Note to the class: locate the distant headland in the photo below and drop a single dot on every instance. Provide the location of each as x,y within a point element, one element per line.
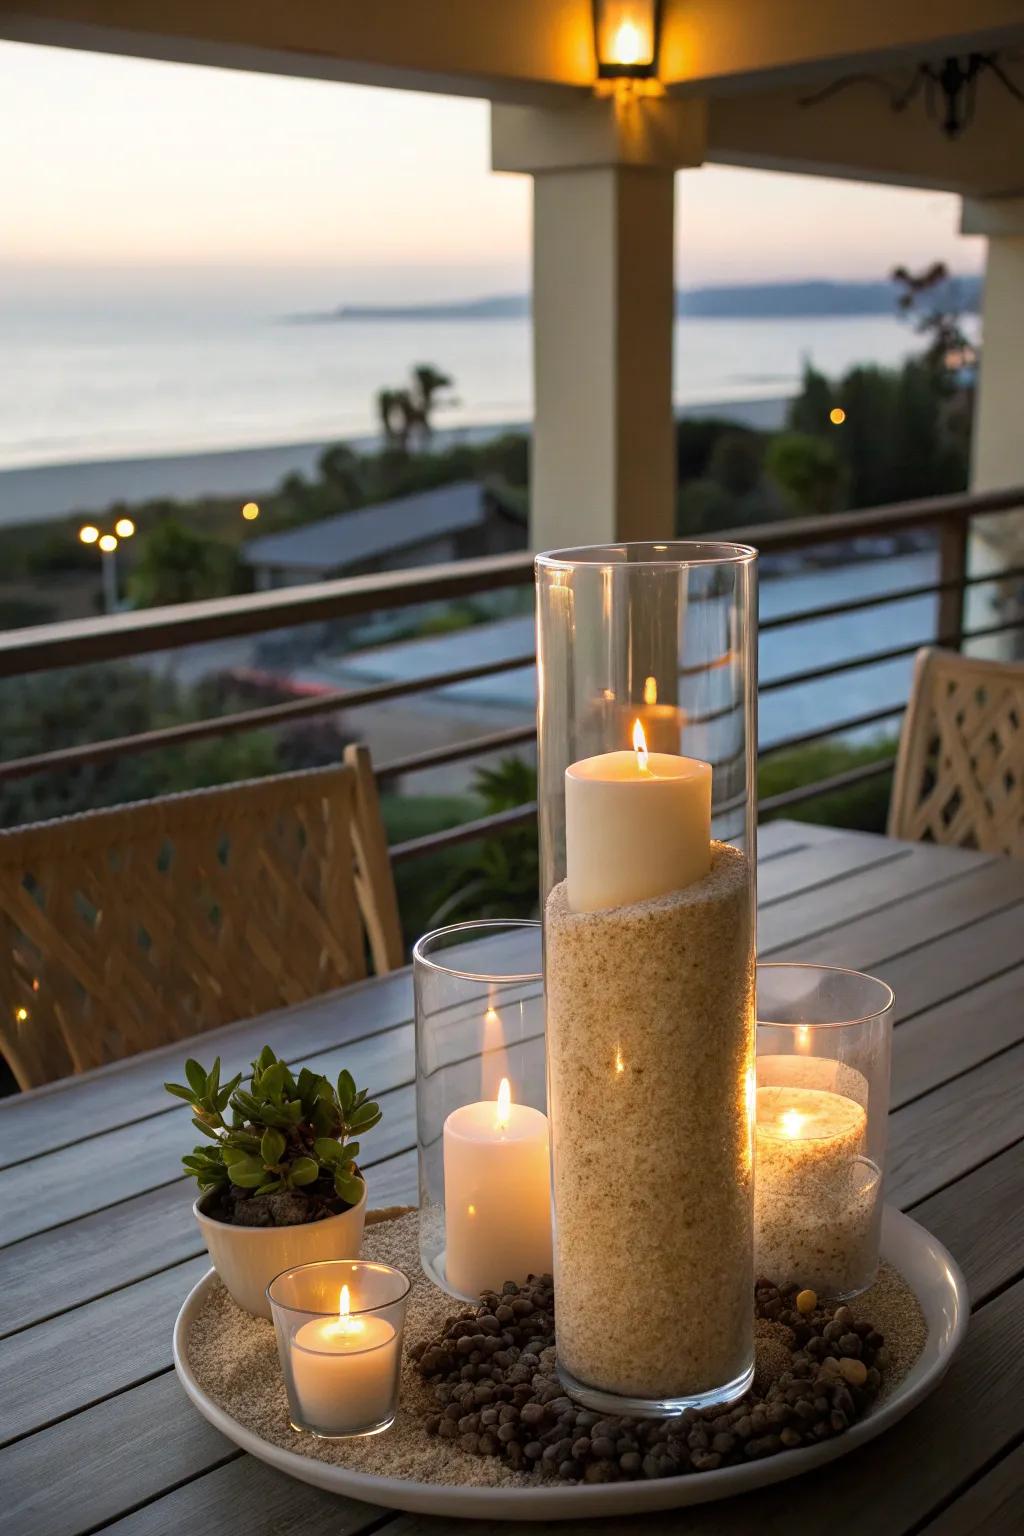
<point>747,301</point>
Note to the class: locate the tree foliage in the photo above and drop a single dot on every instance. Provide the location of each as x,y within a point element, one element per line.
<point>179,564</point>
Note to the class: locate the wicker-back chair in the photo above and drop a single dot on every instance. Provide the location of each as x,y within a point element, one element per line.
<point>960,770</point>
<point>127,928</point>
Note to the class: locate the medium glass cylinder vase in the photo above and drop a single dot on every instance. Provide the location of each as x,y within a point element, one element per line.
<point>823,1048</point>
<point>647,742</point>
<point>482,1133</point>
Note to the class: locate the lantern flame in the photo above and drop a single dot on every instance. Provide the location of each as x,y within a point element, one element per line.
<point>791,1121</point>
<point>504,1105</point>
<point>640,746</point>
<point>628,43</point>
<point>650,690</point>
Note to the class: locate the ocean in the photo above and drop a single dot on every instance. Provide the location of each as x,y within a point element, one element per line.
<point>81,384</point>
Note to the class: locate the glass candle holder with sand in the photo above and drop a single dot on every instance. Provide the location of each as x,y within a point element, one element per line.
<point>823,1064</point>
<point>647,699</point>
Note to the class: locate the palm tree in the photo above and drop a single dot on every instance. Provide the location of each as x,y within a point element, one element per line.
<point>405,414</point>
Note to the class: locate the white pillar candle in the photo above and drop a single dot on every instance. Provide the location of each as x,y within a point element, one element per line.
<point>497,1194</point>
<point>816,1194</point>
<point>345,1371</point>
<point>637,826</point>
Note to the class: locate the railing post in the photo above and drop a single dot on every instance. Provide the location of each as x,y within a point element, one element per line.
<point>952,568</point>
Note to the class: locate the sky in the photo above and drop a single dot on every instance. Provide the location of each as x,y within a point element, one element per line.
<point>121,173</point>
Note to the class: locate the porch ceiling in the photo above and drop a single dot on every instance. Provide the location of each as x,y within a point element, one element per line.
<point>750,59</point>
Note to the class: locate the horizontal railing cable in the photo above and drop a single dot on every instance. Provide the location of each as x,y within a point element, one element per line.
<point>876,658</point>
<point>465,832</point>
<point>270,716</point>
<point>881,599</point>
<point>846,780</point>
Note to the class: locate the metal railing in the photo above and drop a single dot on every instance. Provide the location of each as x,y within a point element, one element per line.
<point>128,635</point>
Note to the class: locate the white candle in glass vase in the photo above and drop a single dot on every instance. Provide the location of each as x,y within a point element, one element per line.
<point>497,1194</point>
<point>637,826</point>
<point>344,1371</point>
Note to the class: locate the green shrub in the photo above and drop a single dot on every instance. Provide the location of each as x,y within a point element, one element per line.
<point>863,807</point>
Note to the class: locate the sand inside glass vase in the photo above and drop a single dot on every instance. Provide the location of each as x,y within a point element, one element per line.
<point>650,1019</point>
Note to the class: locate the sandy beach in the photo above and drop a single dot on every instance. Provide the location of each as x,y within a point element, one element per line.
<point>45,492</point>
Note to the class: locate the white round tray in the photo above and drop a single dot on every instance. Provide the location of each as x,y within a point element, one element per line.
<point>920,1258</point>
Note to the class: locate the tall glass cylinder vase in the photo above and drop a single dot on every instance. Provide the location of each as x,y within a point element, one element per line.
<point>647,799</point>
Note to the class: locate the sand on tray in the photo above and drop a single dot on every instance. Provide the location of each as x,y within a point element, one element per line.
<point>234,1358</point>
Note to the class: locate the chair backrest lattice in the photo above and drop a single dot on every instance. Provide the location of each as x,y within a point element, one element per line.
<point>128,928</point>
<point>960,770</point>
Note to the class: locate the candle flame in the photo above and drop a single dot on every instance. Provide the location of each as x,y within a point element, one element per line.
<point>627,44</point>
<point>345,1324</point>
<point>650,690</point>
<point>640,746</point>
<point>620,1065</point>
<point>504,1105</point>
<point>791,1121</point>
<point>803,1039</point>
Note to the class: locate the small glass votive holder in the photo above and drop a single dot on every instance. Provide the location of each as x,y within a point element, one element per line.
<point>482,1130</point>
<point>339,1330</point>
<point>823,1063</point>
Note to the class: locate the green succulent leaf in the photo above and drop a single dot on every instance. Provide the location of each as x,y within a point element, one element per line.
<point>247,1173</point>
<point>272,1081</point>
<point>324,1118</point>
<point>204,1129</point>
<point>348,1187</point>
<point>346,1090</point>
<point>272,1147</point>
<point>365,1117</point>
<point>271,1187</point>
<point>304,1170</point>
<point>196,1077</point>
<point>180,1091</point>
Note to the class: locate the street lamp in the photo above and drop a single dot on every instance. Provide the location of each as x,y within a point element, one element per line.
<point>107,544</point>
<point>626,38</point>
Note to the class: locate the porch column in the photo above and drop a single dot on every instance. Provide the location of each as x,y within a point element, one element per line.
<point>603,457</point>
<point>997,453</point>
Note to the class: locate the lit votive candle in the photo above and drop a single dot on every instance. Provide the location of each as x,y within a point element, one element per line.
<point>816,1193</point>
<point>497,1194</point>
<point>340,1367</point>
<point>345,1371</point>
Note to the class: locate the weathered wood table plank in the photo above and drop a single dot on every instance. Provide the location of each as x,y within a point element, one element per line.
<point>96,1435</point>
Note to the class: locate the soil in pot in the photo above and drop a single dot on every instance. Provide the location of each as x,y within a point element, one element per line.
<point>285,1208</point>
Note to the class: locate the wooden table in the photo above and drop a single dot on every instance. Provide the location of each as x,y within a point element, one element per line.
<point>99,1246</point>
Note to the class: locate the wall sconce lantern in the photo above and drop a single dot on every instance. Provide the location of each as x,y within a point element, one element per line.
<point>626,38</point>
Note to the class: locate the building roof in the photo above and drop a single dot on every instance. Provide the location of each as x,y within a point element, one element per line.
<point>350,538</point>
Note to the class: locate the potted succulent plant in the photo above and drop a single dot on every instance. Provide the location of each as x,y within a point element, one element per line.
<point>278,1179</point>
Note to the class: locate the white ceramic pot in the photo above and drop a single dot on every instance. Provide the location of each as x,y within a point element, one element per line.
<point>248,1258</point>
